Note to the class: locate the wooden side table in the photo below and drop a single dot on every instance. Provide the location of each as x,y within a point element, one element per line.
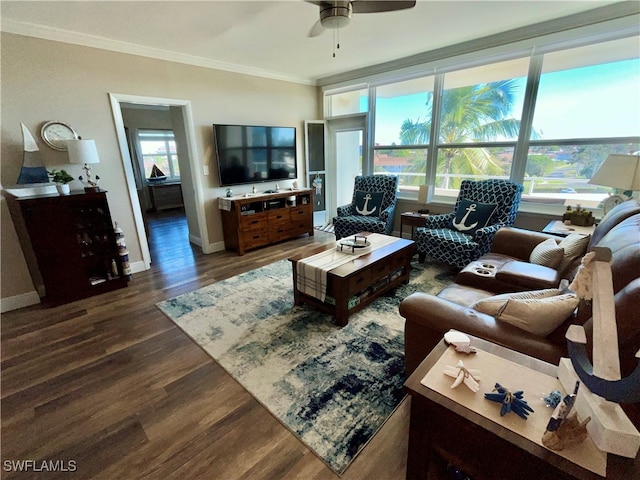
<point>557,227</point>
<point>412,219</point>
<point>444,431</point>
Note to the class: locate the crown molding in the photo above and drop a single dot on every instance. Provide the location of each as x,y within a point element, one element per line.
<point>93,41</point>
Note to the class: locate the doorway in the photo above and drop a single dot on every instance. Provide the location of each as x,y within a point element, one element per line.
<point>188,166</point>
<point>348,154</point>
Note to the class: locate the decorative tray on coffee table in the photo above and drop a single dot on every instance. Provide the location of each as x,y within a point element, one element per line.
<point>357,245</point>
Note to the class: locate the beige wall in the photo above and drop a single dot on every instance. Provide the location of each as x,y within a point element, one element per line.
<point>44,80</point>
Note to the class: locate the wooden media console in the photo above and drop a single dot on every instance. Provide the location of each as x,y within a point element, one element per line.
<point>255,220</point>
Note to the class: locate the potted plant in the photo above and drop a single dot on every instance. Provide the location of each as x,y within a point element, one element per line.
<point>61,178</point>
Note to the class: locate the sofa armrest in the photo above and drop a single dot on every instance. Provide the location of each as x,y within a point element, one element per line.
<point>429,317</point>
<point>517,242</point>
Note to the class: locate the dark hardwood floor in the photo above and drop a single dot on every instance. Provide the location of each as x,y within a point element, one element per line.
<point>113,385</point>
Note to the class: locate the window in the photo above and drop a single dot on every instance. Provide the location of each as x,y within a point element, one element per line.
<point>586,108</point>
<point>583,104</point>
<point>354,101</point>
<point>158,147</point>
<point>403,117</point>
<point>479,123</point>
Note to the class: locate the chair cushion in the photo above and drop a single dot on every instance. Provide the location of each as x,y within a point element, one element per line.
<point>547,253</point>
<point>368,203</point>
<point>472,215</point>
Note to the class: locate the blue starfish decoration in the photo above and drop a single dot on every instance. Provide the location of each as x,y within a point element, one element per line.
<point>511,402</point>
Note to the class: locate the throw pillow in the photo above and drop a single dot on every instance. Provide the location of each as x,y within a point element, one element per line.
<point>471,216</point>
<point>494,305</point>
<point>368,203</point>
<point>575,246</point>
<point>539,316</point>
<point>547,253</point>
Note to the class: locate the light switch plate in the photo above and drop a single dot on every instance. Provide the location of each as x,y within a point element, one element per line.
<point>205,169</point>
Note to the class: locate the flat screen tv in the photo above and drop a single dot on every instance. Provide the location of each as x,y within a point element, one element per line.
<point>251,154</point>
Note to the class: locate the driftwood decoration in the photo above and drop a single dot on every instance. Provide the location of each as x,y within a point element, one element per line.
<point>609,428</point>
<point>571,432</point>
<point>594,281</point>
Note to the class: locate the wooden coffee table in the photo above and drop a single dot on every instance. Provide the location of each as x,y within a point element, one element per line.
<point>359,282</point>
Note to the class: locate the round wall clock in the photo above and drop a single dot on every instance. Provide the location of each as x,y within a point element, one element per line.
<point>55,134</point>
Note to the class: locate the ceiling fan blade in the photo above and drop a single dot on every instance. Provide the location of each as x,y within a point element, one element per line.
<point>316,30</point>
<point>374,6</point>
<point>320,3</point>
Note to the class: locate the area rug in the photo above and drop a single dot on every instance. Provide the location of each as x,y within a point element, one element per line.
<point>332,387</point>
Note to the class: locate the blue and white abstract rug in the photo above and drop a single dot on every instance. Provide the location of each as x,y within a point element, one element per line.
<point>333,387</point>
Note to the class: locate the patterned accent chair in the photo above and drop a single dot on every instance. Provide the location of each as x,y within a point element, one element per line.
<point>452,238</point>
<point>352,219</point>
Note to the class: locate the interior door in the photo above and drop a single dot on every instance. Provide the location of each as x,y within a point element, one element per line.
<point>348,154</point>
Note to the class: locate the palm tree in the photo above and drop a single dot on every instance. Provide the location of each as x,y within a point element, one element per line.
<point>469,114</point>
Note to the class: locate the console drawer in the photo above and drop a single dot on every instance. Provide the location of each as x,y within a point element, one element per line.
<point>256,220</point>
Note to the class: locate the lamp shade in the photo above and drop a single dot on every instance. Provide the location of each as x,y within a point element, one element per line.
<point>424,194</point>
<point>619,171</point>
<point>82,151</point>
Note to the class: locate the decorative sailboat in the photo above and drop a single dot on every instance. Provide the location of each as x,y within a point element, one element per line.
<point>33,169</point>
<point>157,175</point>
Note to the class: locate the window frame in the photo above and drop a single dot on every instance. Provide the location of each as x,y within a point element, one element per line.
<point>167,135</point>
<point>523,143</point>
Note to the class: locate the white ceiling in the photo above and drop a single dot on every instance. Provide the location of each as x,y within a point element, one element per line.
<point>270,38</point>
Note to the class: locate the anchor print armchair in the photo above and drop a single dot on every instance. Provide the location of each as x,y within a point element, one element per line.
<point>464,235</point>
<point>371,209</point>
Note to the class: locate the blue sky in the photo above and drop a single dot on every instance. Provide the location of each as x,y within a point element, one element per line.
<point>597,101</point>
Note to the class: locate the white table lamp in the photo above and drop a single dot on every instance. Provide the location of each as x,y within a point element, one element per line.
<point>621,172</point>
<point>85,151</point>
<point>425,193</point>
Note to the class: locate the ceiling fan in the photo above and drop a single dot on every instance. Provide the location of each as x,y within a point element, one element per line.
<point>337,13</point>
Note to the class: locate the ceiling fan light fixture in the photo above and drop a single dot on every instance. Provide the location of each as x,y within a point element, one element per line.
<point>337,15</point>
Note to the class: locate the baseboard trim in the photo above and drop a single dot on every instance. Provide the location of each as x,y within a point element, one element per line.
<point>137,267</point>
<point>195,240</point>
<point>19,301</point>
<point>214,247</point>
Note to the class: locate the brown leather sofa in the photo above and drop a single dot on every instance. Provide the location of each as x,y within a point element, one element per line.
<point>428,317</point>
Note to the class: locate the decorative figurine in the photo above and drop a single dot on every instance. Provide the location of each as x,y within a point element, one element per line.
<point>511,402</point>
<point>229,193</point>
<point>553,399</point>
<point>563,430</point>
<point>253,190</point>
<point>470,377</point>
<point>570,433</point>
<point>295,185</point>
<point>460,341</point>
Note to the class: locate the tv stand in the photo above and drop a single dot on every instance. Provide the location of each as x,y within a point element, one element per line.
<point>263,219</point>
